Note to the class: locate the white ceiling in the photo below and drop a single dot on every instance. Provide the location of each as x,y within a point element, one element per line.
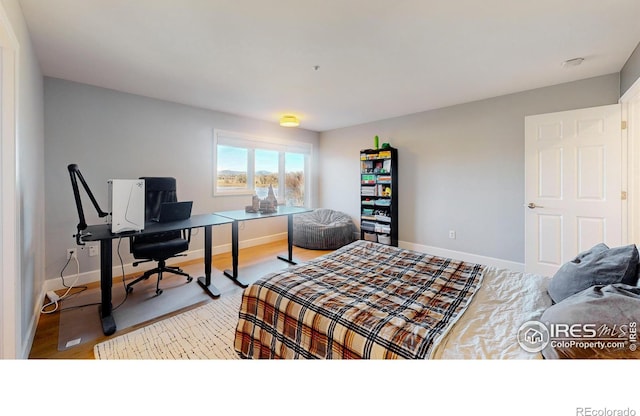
<point>377,58</point>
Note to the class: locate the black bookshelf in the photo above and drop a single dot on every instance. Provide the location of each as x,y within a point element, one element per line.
<point>379,195</point>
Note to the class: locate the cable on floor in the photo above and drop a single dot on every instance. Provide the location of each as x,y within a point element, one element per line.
<point>55,303</point>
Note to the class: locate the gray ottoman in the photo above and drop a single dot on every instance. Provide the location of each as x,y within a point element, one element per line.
<point>323,229</point>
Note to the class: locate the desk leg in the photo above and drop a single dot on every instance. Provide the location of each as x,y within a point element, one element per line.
<point>233,275</point>
<point>106,282</point>
<point>289,241</point>
<point>205,281</point>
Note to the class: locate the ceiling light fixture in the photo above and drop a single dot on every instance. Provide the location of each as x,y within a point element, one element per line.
<point>289,121</point>
<point>572,62</point>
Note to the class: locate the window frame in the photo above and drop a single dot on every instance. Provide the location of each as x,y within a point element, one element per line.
<point>251,143</point>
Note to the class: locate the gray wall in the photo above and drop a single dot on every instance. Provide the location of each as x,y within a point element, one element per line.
<point>114,135</point>
<point>630,71</point>
<point>30,163</point>
<point>460,168</point>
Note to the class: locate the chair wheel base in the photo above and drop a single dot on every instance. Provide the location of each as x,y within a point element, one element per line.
<point>162,268</point>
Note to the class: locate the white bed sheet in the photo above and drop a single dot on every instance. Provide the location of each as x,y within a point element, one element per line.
<point>489,327</point>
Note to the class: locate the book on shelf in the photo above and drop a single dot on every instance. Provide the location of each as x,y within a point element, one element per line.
<point>368,225</point>
<point>368,179</point>
<point>381,228</point>
<point>368,190</point>
<point>383,218</point>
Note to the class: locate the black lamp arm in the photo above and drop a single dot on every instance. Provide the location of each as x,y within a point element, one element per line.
<point>74,174</point>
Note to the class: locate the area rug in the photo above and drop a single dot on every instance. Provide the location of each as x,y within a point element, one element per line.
<point>80,317</point>
<point>206,332</point>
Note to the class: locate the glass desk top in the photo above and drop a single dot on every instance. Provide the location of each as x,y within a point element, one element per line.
<point>242,215</point>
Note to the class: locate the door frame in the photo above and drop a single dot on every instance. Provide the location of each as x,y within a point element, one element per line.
<point>10,288</point>
<point>630,107</point>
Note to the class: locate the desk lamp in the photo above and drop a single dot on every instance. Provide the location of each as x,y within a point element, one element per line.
<point>74,173</point>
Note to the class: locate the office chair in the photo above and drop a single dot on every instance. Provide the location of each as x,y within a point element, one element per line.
<point>162,246</point>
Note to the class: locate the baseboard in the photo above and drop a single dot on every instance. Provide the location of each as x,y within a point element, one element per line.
<point>33,325</point>
<point>94,275</point>
<point>460,255</point>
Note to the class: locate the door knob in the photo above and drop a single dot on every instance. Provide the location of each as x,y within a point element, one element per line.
<point>532,206</point>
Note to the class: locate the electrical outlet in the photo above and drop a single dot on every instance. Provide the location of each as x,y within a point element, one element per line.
<point>452,234</point>
<point>93,251</point>
<point>72,253</point>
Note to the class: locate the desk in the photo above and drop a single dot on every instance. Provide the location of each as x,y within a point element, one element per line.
<point>242,215</point>
<point>103,234</point>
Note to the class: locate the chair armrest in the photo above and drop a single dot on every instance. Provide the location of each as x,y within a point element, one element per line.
<point>186,234</point>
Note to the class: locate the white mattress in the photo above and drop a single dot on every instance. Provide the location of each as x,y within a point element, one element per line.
<point>489,327</point>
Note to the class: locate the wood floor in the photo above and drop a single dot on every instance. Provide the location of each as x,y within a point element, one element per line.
<point>45,343</point>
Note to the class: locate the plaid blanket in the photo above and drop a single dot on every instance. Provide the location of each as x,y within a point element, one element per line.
<point>364,300</point>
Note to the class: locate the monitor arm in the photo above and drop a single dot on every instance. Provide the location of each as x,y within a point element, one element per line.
<point>75,174</point>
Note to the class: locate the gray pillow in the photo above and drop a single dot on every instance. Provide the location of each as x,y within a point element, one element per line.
<point>611,311</point>
<point>599,265</point>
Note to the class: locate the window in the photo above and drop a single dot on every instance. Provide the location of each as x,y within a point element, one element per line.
<point>266,172</point>
<point>244,165</point>
<point>294,178</point>
<point>232,168</point>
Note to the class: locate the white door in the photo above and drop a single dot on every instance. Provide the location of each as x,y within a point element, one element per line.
<point>572,185</point>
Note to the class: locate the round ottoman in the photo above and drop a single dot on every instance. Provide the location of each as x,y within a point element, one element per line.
<point>323,229</point>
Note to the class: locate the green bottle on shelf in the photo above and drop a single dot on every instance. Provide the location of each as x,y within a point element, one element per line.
<point>375,142</point>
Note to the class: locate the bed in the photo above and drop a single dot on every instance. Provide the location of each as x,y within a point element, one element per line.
<point>370,300</point>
